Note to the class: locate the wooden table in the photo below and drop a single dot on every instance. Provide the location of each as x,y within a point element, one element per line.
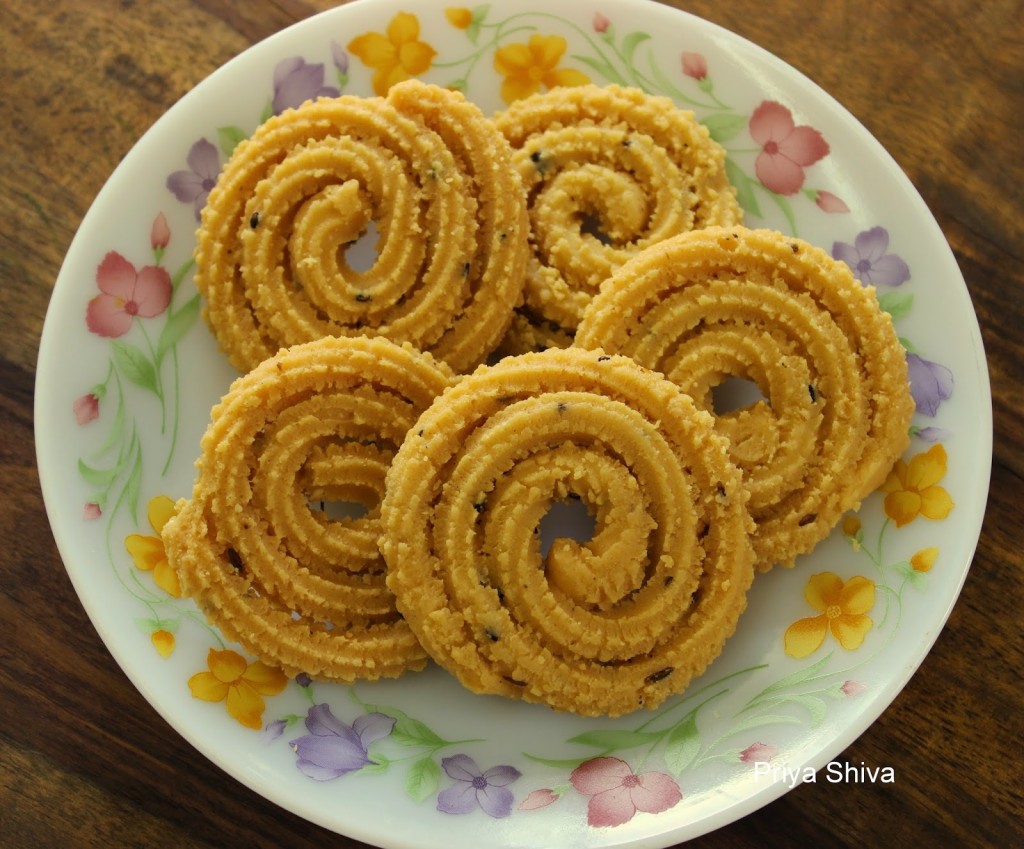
<point>86,762</point>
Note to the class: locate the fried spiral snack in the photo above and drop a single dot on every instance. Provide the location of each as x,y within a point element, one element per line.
<point>433,176</point>
<point>301,590</point>
<point>597,628</point>
<point>759,306</point>
<point>608,171</point>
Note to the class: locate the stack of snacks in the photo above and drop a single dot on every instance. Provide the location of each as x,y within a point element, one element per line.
<point>366,386</point>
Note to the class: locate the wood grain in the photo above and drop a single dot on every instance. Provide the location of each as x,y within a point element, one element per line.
<point>86,762</point>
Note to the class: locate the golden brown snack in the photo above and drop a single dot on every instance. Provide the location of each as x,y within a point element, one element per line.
<point>608,171</point>
<point>426,168</point>
<point>305,592</point>
<point>777,311</point>
<point>597,628</point>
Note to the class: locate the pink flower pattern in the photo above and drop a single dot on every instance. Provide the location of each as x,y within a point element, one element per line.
<point>829,202</point>
<point>852,688</point>
<point>617,793</point>
<point>758,753</point>
<point>786,149</point>
<point>87,408</point>
<point>160,233</point>
<point>126,293</point>
<point>695,65</point>
<point>538,799</point>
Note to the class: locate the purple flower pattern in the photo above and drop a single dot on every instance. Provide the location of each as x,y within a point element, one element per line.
<point>332,748</point>
<point>340,58</point>
<point>930,384</point>
<point>474,789</point>
<point>869,260</point>
<point>296,81</point>
<point>274,729</point>
<point>933,434</point>
<point>193,185</point>
<point>868,257</point>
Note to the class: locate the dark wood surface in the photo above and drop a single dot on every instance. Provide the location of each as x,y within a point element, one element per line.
<point>86,762</point>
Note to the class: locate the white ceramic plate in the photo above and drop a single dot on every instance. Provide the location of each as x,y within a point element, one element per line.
<point>119,417</point>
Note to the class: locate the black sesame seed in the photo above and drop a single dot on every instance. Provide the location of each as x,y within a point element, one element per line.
<point>235,559</point>
<point>660,675</point>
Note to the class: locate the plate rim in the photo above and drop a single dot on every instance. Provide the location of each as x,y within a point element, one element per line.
<point>50,477</point>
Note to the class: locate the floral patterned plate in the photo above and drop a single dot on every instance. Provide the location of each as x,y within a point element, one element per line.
<point>128,373</point>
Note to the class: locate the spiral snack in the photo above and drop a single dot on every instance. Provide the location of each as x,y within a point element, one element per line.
<point>608,171</point>
<point>426,169</point>
<point>596,628</point>
<point>757,305</point>
<point>318,422</point>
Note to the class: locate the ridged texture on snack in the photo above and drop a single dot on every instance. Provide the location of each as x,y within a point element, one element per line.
<point>300,589</point>
<point>777,311</point>
<point>601,627</point>
<point>608,171</point>
<point>426,168</point>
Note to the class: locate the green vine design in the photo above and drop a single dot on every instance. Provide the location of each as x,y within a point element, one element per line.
<point>114,470</point>
<point>143,364</point>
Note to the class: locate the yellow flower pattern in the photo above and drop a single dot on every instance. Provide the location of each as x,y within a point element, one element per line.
<point>528,66</point>
<point>923,560</point>
<point>842,611</point>
<point>912,489</point>
<point>396,54</point>
<point>163,642</point>
<point>239,684</point>
<point>459,16</point>
<point>148,552</point>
